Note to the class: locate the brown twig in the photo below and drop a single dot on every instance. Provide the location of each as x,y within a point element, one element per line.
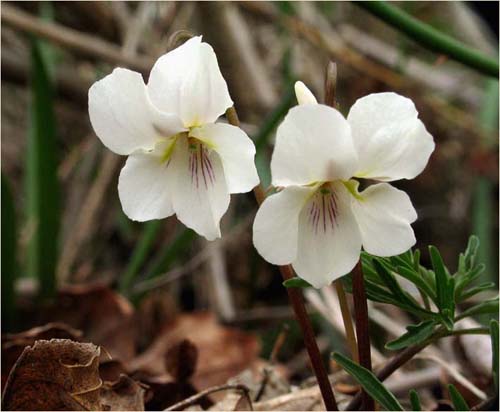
<point>86,44</point>
<point>362,329</point>
<point>193,399</point>
<point>297,302</point>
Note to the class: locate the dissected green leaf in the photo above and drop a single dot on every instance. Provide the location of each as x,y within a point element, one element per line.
<point>370,383</point>
<point>495,349</point>
<point>444,296</point>
<point>416,334</point>
<point>415,401</point>
<point>458,401</point>
<point>488,306</point>
<point>42,197</point>
<point>417,280</point>
<point>466,279</point>
<point>475,290</point>
<point>296,282</point>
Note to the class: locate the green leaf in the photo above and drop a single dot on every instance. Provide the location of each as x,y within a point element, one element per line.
<point>415,401</point>
<point>9,249</point>
<point>475,290</point>
<point>42,196</point>
<point>470,276</point>
<point>443,295</point>
<point>416,334</point>
<point>417,280</point>
<point>369,382</point>
<point>458,401</point>
<point>486,307</point>
<point>495,349</point>
<point>296,282</point>
<point>140,253</point>
<point>393,285</point>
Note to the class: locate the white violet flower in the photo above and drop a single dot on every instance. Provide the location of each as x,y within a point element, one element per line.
<point>319,220</point>
<point>179,160</point>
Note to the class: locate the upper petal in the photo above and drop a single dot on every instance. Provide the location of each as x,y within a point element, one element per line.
<point>313,144</point>
<point>276,225</point>
<point>199,191</point>
<point>384,214</point>
<point>329,242</point>
<point>303,94</point>
<point>187,81</point>
<point>122,114</point>
<point>392,143</point>
<point>144,186</point>
<point>237,153</point>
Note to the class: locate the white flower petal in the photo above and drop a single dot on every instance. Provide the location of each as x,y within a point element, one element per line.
<point>122,115</point>
<point>187,81</point>
<point>384,215</point>
<point>303,94</point>
<point>392,143</point>
<point>144,186</point>
<point>199,191</point>
<point>276,225</point>
<point>313,144</point>
<point>236,151</point>
<point>329,242</point>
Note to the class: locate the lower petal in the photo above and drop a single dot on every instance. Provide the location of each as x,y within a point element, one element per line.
<point>237,153</point>
<point>143,187</point>
<point>384,214</point>
<point>275,229</point>
<point>329,242</point>
<point>200,193</point>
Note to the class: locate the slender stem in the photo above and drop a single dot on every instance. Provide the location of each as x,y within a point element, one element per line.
<point>330,100</point>
<point>430,37</point>
<point>362,329</point>
<point>297,302</point>
<point>347,318</point>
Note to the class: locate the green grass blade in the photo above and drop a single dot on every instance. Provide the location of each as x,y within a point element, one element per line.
<point>457,399</point>
<point>369,382</point>
<point>9,249</point>
<point>415,401</point>
<point>42,197</point>
<point>431,38</point>
<point>495,349</point>
<point>140,254</point>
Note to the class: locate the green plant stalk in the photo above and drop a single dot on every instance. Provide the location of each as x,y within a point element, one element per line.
<point>9,264</point>
<point>42,197</point>
<point>140,253</point>
<point>431,38</point>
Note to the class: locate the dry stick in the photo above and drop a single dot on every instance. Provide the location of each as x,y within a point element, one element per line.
<point>362,329</point>
<point>193,399</point>
<point>330,100</point>
<point>297,301</point>
<point>72,39</point>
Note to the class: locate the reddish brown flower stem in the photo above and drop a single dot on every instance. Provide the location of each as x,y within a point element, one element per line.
<point>297,302</point>
<point>362,330</point>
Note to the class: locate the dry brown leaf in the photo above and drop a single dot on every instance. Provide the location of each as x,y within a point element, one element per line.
<point>13,344</point>
<point>222,352</point>
<point>123,395</point>
<point>58,374</point>
<point>105,317</point>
